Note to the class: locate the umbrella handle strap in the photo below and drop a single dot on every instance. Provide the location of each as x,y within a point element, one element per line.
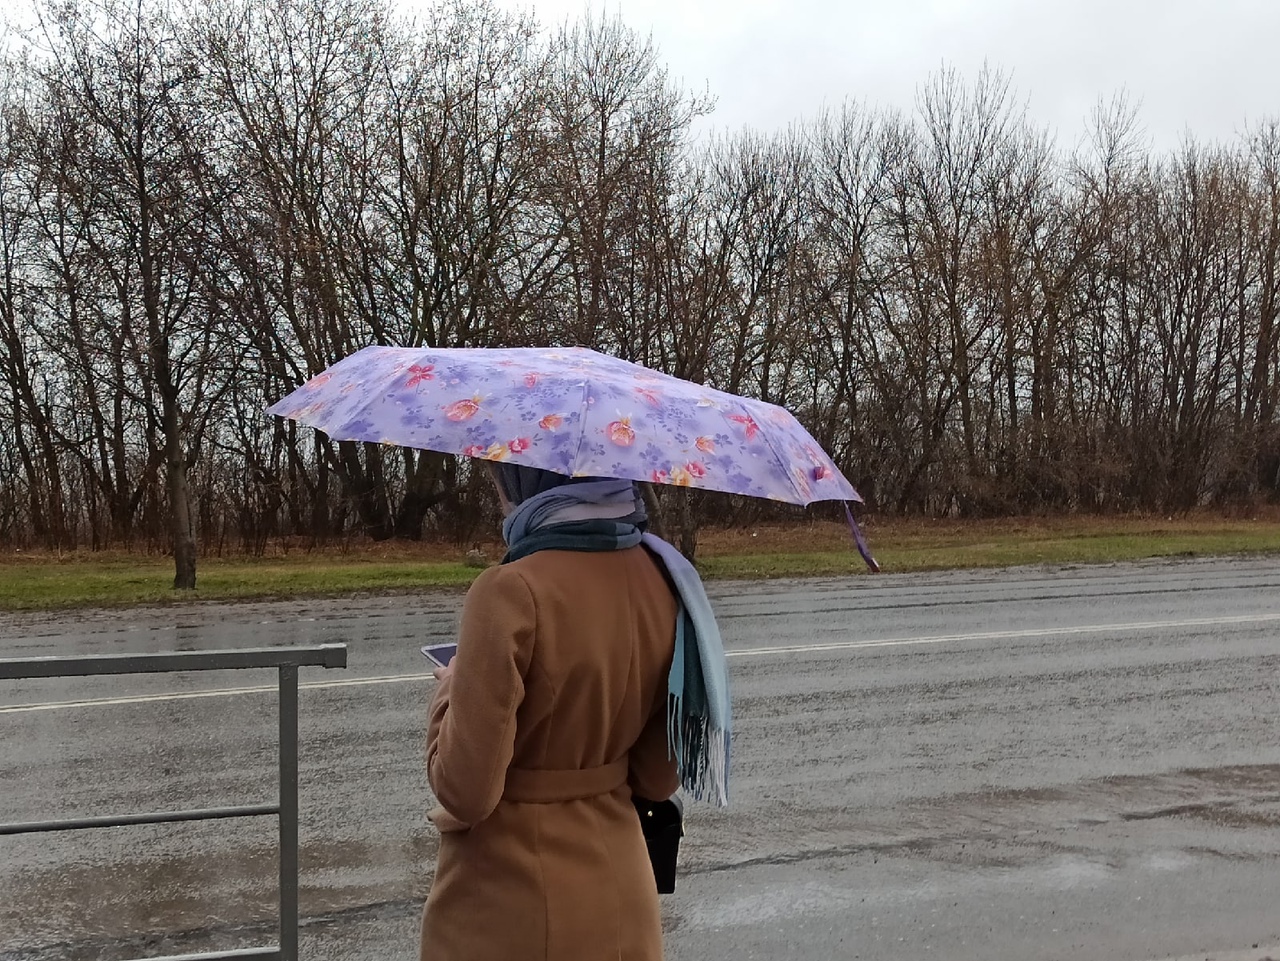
<point>872,564</point>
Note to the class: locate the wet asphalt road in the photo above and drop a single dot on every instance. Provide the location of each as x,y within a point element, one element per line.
<point>1030,764</point>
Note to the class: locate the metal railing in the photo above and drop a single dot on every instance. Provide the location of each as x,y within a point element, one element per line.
<point>286,660</point>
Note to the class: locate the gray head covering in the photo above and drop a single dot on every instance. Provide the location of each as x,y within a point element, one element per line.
<point>518,483</point>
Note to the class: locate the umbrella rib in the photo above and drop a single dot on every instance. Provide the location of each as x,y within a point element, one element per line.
<point>366,406</point>
<point>804,499</point>
<point>359,411</point>
<point>582,427</point>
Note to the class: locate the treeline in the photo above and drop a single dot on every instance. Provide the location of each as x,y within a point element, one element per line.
<point>200,209</point>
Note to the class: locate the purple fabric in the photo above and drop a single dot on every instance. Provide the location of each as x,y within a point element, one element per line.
<point>863,548</point>
<point>572,411</point>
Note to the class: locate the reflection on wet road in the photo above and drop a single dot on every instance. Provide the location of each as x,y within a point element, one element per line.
<point>1025,764</point>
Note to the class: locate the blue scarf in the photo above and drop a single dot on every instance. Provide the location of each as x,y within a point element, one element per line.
<point>609,515</point>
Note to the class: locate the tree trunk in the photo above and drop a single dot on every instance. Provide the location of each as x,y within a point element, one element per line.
<point>424,489</point>
<point>365,488</point>
<point>654,509</point>
<point>184,541</point>
<point>321,514</point>
<point>688,524</point>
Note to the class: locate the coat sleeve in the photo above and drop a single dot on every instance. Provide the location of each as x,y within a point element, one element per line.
<point>472,727</point>
<point>652,774</point>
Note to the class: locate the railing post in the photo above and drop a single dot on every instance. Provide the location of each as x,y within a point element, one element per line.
<point>288,813</point>
<point>286,660</point>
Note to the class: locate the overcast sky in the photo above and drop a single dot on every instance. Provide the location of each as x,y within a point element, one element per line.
<point>1207,66</point>
<point>1204,66</point>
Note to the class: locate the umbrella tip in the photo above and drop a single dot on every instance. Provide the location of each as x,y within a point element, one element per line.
<point>872,564</point>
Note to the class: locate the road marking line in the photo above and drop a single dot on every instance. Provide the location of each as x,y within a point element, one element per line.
<point>217,692</point>
<point>746,652</point>
<point>1005,635</point>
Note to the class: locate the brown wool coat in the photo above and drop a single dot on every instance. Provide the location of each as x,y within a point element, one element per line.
<point>553,715</point>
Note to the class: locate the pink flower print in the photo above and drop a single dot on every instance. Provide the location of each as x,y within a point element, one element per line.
<point>659,477</point>
<point>747,421</point>
<point>696,469</point>
<point>649,396</point>
<point>519,445</point>
<point>475,450</point>
<point>821,472</point>
<point>461,410</point>
<point>551,422</point>
<point>621,432</point>
<point>706,445</point>
<point>319,380</point>
<point>681,477</point>
<point>531,380</point>
<point>497,452</point>
<point>419,373</point>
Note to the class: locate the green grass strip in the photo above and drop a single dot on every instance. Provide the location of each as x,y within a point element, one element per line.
<point>47,582</point>
<point>1010,552</point>
<point>149,581</point>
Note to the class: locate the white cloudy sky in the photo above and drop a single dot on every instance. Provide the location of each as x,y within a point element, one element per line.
<point>1205,66</point>
<point>1208,66</point>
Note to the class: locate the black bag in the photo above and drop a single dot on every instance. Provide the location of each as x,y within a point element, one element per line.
<point>663,825</point>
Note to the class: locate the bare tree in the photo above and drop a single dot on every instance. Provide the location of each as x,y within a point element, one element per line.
<point>122,73</point>
<point>200,210</point>
<point>618,124</point>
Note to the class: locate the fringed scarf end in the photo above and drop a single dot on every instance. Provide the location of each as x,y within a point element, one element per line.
<point>702,755</point>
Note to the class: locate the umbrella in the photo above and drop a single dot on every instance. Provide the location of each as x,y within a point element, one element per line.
<point>573,411</point>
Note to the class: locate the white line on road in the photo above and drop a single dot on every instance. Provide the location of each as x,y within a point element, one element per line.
<point>746,652</point>
<point>1008,635</point>
<point>218,692</point>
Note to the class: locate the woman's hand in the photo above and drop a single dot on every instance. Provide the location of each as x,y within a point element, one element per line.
<point>441,673</point>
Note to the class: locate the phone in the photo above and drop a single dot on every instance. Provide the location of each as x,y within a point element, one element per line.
<point>441,654</point>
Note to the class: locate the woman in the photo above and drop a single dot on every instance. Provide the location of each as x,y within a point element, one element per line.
<point>553,713</point>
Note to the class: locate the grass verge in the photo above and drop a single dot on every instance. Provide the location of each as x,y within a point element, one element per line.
<point>83,580</point>
<point>41,581</point>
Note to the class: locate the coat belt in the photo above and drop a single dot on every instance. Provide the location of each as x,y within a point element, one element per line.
<point>547,786</point>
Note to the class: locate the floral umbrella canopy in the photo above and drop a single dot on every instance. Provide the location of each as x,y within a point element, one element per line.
<point>569,410</point>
